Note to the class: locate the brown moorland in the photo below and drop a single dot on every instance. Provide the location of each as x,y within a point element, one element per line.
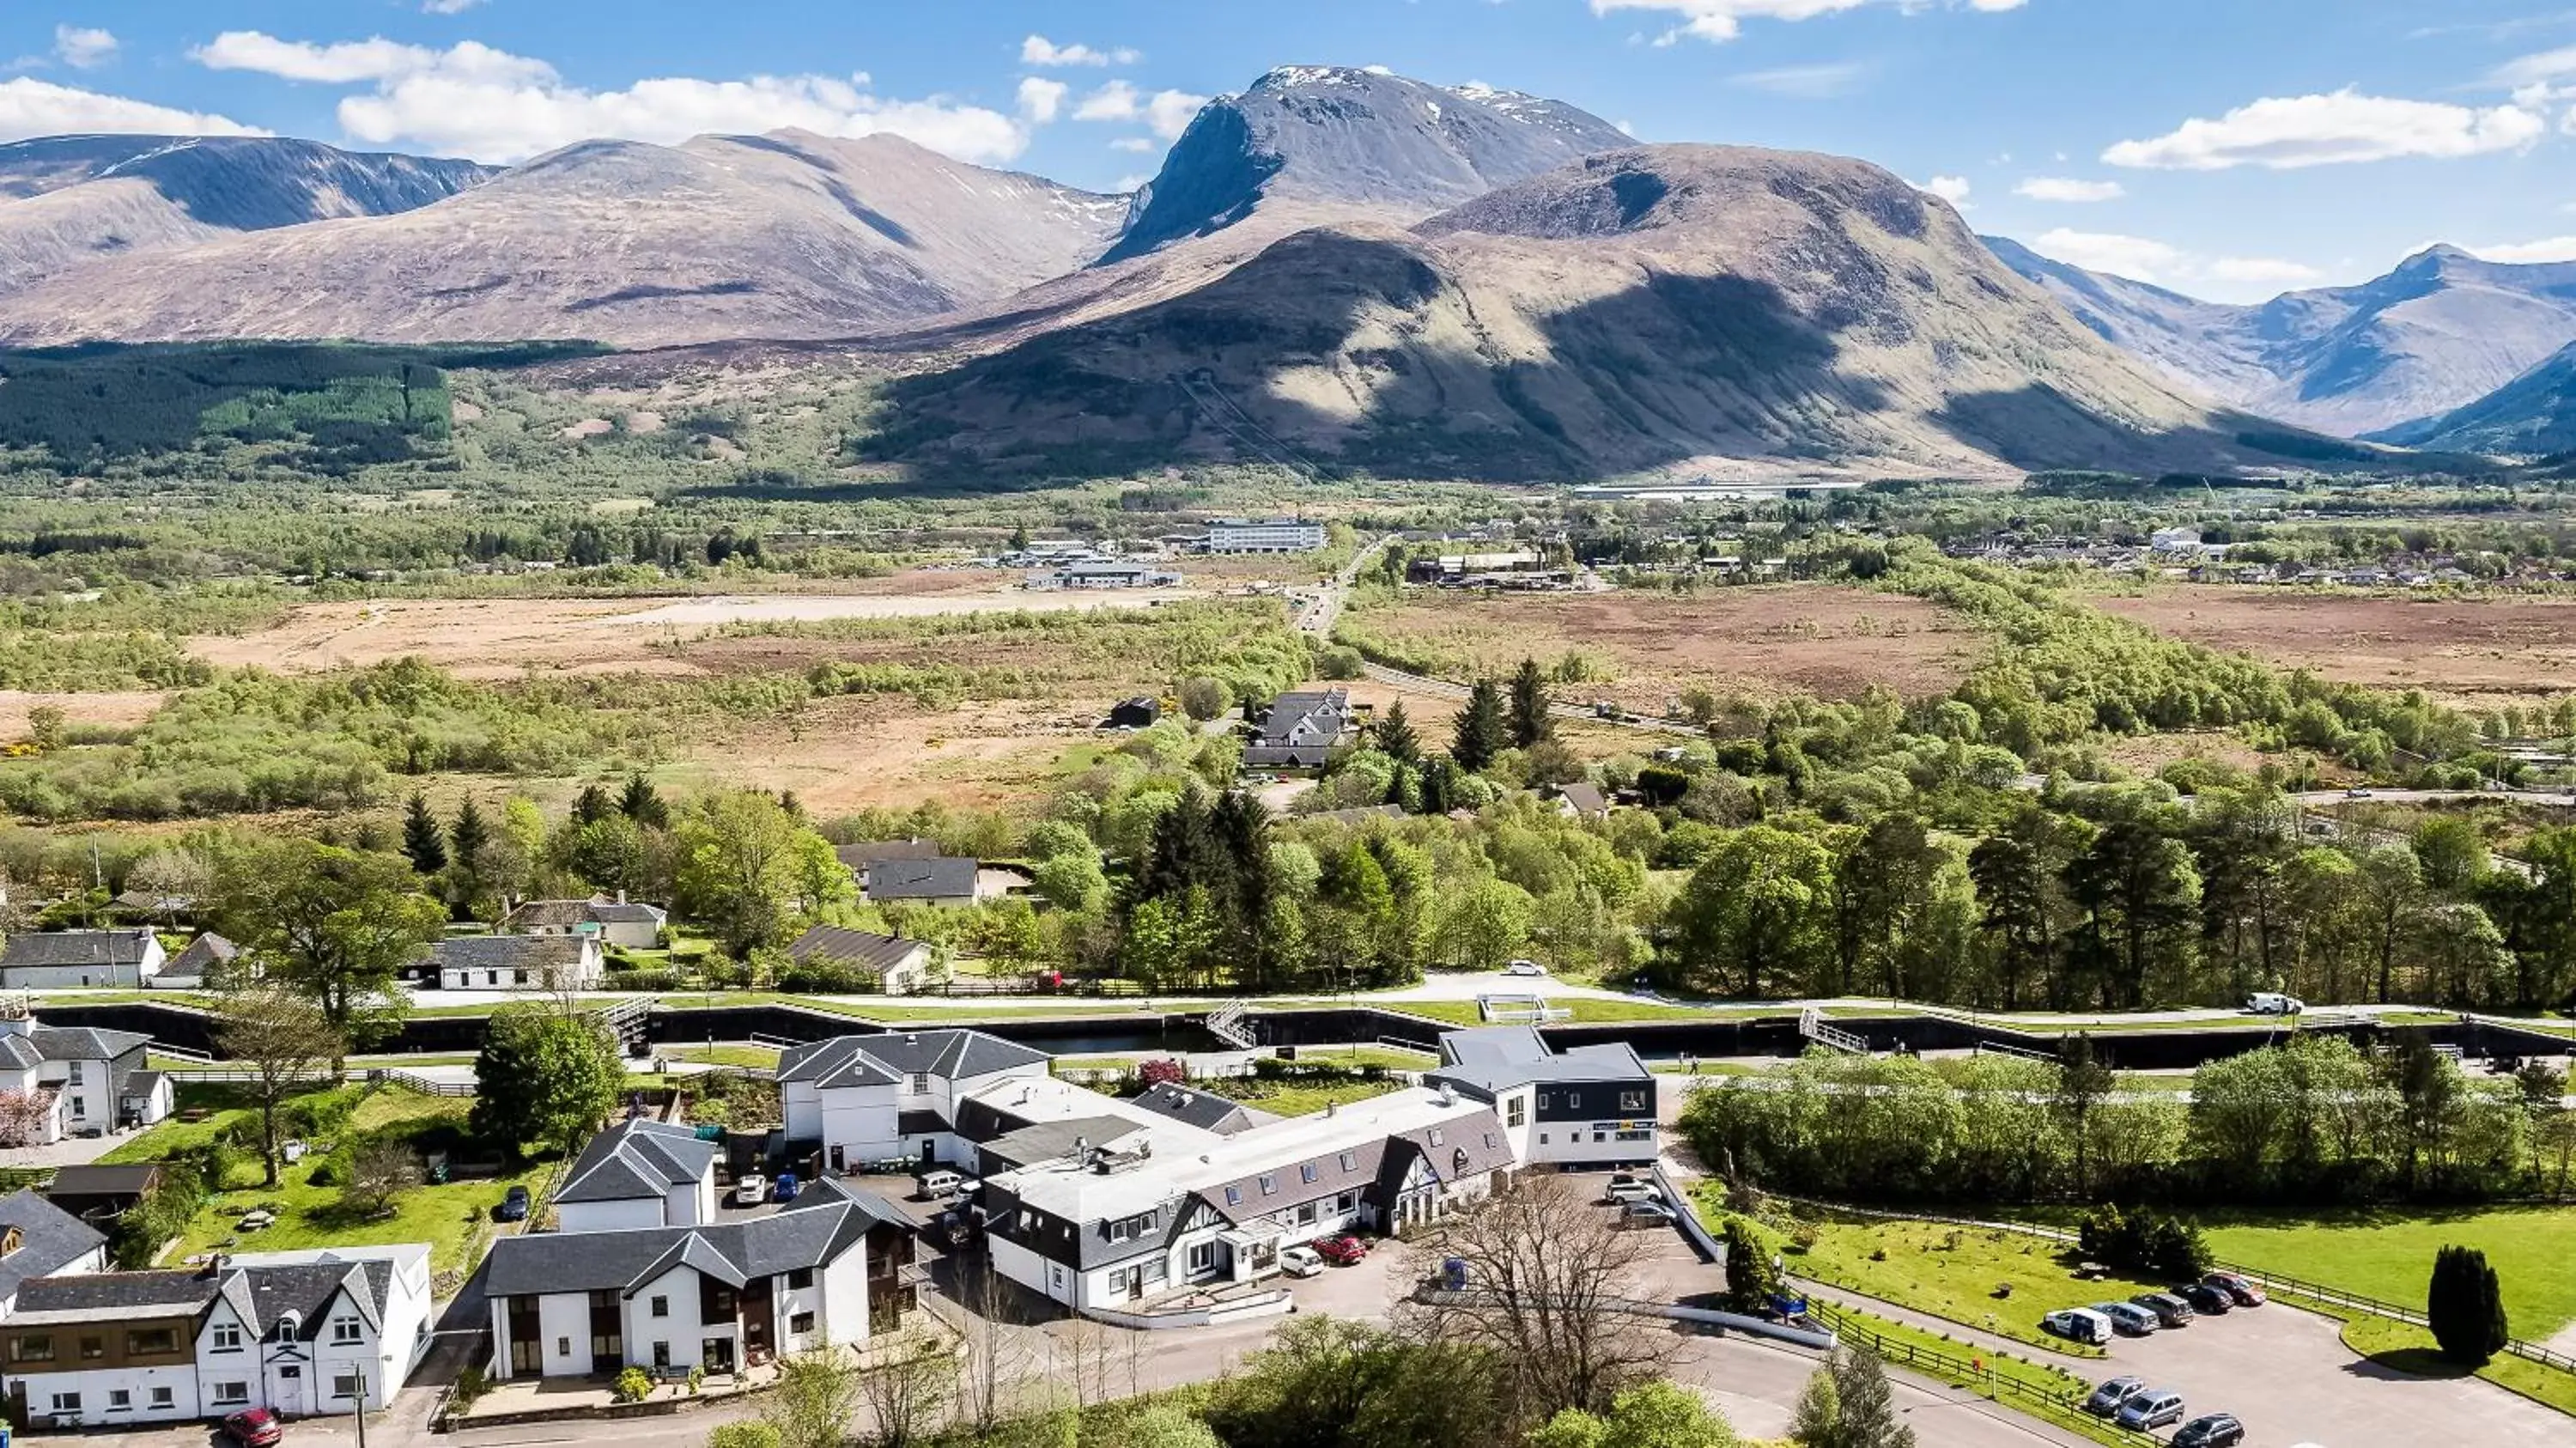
<point>2468,650</point>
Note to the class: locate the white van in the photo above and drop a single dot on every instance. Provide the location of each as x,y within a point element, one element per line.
<point>2079,1324</point>
<point>940,1183</point>
<point>2273,1003</point>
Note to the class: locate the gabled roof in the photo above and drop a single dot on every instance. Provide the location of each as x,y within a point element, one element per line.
<point>1449,1151</point>
<point>508,952</point>
<point>638,1159</point>
<point>208,949</point>
<point>818,1228</point>
<point>66,948</point>
<point>866,853</point>
<point>865,948</point>
<point>49,1240</point>
<point>100,1296</point>
<point>85,1043</point>
<point>565,914</point>
<point>1306,716</point>
<point>878,1060</point>
<point>19,1054</point>
<point>1586,798</point>
<point>945,878</point>
<point>262,1296</point>
<point>1201,1109</point>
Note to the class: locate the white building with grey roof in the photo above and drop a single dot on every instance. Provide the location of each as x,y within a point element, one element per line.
<point>39,1239</point>
<point>1587,1106</point>
<point>66,959</point>
<point>75,1078</point>
<point>513,962</point>
<point>870,1098</point>
<point>639,1174</point>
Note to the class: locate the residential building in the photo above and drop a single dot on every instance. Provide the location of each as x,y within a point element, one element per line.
<point>898,966</point>
<point>207,955</point>
<point>1589,1106</point>
<point>831,1268</point>
<point>1264,535</point>
<point>870,1098</point>
<point>54,960</point>
<point>79,1078</point>
<point>1582,801</point>
<point>639,1174</point>
<point>945,881</point>
<point>1302,730</point>
<point>1106,574</point>
<point>1203,1109</point>
<point>39,1239</point>
<point>300,1333</point>
<point>100,1194</point>
<point>860,858</point>
<point>513,962</point>
<point>630,925</point>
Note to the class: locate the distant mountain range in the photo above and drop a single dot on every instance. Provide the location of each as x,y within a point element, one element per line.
<point>2438,333</point>
<point>2533,415</point>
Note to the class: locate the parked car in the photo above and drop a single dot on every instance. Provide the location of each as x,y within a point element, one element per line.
<point>2170,1311</point>
<point>785,1189</point>
<point>2106,1399</point>
<point>1646,1214</point>
<point>1342,1251</point>
<point>1300,1261</point>
<point>2151,1409</point>
<point>2081,1324</point>
<point>2128,1318</point>
<point>514,1206</point>
<point>751,1191</point>
<point>1524,967</point>
<point>2238,1290</point>
<point>2357,792</point>
<point>2273,1003</point>
<point>2206,1300</point>
<point>254,1428</point>
<point>2210,1430</point>
<point>1620,1193</point>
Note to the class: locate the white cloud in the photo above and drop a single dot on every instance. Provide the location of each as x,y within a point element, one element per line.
<point>1168,112</point>
<point>447,7</point>
<point>2262,271</point>
<point>2144,259</point>
<point>82,47</point>
<point>1041,99</point>
<point>2285,133</point>
<point>1806,82</point>
<point>1953,189</point>
<point>1135,143</point>
<point>1723,20</point>
<point>2067,189</point>
<point>2529,70</point>
<point>476,101</point>
<point>1038,50</point>
<point>41,108</point>
<point>2556,248</point>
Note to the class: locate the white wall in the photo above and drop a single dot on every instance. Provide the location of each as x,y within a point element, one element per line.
<point>564,1319</point>
<point>681,1329</point>
<point>46,977</point>
<point>1027,1268</point>
<point>93,1387</point>
<point>609,1216</point>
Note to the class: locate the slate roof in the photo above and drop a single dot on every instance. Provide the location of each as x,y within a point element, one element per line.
<point>565,914</point>
<point>1451,1151</point>
<point>98,1296</point>
<point>85,1043</point>
<point>866,853</point>
<point>827,1221</point>
<point>878,953</point>
<point>139,1083</point>
<point>1498,1058</point>
<point>943,878</point>
<point>628,912</point>
<point>104,1181</point>
<point>505,952</point>
<point>1307,716</point>
<point>20,1054</point>
<point>205,951</point>
<point>62,948</point>
<point>1586,798</point>
<point>1289,1184</point>
<point>878,1060</point>
<point>1199,1108</point>
<point>49,1240</point>
<point>638,1159</point>
<point>262,1296</point>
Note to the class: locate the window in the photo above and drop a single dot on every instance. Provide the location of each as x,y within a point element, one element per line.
<point>1347,1202</point>
<point>661,1307</point>
<point>1542,1138</point>
<point>345,1385</point>
<point>227,1337</point>
<point>661,1354</point>
<point>93,1347</point>
<point>1306,1214</point>
<point>231,1393</point>
<point>1600,1136</point>
<point>119,1400</point>
<point>1632,1100</point>
<point>1636,1136</point>
<point>563,1348</point>
<point>1307,1173</point>
<point>1269,1185</point>
<point>345,1330</point>
<point>291,1371</point>
<point>161,1398</point>
<point>1516,1111</point>
<point>800,1279</point>
<point>66,1402</point>
<point>1120,1230</point>
<point>80,1108</point>
<point>144,1341</point>
<point>1234,1196</point>
<point>1350,1162</point>
<point>1435,1136</point>
<point>1546,1099</point>
<point>75,1078</point>
<point>800,1322</point>
<point>1202,1257</point>
<point>920,1082</point>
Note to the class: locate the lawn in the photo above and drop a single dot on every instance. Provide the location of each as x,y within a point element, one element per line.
<point>2405,1348</point>
<point>1954,1272</point>
<point>1285,1098</point>
<point>756,1058</point>
<point>225,1106</point>
<point>1390,1058</point>
<point>1588,1010</point>
<point>2389,1255</point>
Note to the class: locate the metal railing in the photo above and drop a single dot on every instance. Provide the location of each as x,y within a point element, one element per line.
<point>1813,1026</point>
<point>1226,1024</point>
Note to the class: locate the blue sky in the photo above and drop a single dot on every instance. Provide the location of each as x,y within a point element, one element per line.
<point>2228,148</point>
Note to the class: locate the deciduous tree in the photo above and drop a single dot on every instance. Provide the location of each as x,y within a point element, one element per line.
<point>545,1077</point>
<point>335,925</point>
<point>283,1038</point>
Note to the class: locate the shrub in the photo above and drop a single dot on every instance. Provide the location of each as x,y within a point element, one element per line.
<point>743,1435</point>
<point>633,1386</point>
<point>2465,1307</point>
<point>472,1384</point>
<point>2140,1240</point>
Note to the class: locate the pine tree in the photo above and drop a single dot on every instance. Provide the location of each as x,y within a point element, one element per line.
<point>1395,737</point>
<point>643,804</point>
<point>1847,1404</point>
<point>591,805</point>
<point>1529,722</point>
<point>1482,733</point>
<point>467,837</point>
<point>2465,1307</point>
<point>422,843</point>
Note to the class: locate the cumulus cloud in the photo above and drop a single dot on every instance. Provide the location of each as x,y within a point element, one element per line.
<point>473,100</point>
<point>2068,189</point>
<point>1038,50</point>
<point>41,108</point>
<point>1041,99</point>
<point>447,7</point>
<point>1723,20</point>
<point>1953,189</point>
<point>2556,248</point>
<point>1135,143</point>
<point>1168,112</point>
<point>2147,260</point>
<point>2286,133</point>
<point>82,47</point>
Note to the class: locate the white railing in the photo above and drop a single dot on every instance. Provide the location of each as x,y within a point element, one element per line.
<point>1226,1024</point>
<point>1813,1026</point>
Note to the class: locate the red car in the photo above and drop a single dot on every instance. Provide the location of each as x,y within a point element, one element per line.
<point>1341,1251</point>
<point>2244,1293</point>
<point>254,1428</point>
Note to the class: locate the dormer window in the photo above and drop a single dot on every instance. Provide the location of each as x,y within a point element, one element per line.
<point>10,1241</point>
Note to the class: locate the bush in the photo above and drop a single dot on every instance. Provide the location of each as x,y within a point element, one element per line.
<point>2140,1240</point>
<point>827,977</point>
<point>743,1435</point>
<point>633,1386</point>
<point>473,1383</point>
<point>2465,1307</point>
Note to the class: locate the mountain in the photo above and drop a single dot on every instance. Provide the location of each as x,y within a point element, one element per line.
<point>2440,331</point>
<point>69,201</point>
<point>790,235</point>
<point>1665,310</point>
<point>2533,415</point>
<point>1333,137</point>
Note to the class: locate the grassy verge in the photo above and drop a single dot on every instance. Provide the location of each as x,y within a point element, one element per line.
<point>2405,1348</point>
<point>1956,1273</point>
<point>2051,1395</point>
<point>2389,1254</point>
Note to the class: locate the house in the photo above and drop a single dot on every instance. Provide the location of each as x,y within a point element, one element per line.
<point>513,962</point>
<point>308,1333</point>
<point>75,1078</point>
<point>1301,730</point>
<point>1590,1106</point>
<point>639,1174</point>
<point>898,965</point>
<point>1582,802</point>
<point>1106,574</point>
<point>1264,535</point>
<point>1140,712</point>
<point>832,1268</point>
<point>944,881</point>
<point>39,1239</point>
<point>2174,540</point>
<point>860,858</point>
<point>1204,1110</point>
<point>102,1193</point>
<point>869,1098</point>
<point>619,922</point>
<point>57,959</point>
<point>207,955</point>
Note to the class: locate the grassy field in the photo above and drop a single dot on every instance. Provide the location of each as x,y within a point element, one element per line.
<point>2389,1255</point>
<point>1955,1273</point>
<point>758,1058</point>
<point>2404,1348</point>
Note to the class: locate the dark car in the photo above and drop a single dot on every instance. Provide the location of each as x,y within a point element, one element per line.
<point>2213,1430</point>
<point>514,1205</point>
<point>2238,1290</point>
<point>1341,1251</point>
<point>2170,1311</point>
<point>2106,1399</point>
<point>254,1428</point>
<point>2206,1300</point>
